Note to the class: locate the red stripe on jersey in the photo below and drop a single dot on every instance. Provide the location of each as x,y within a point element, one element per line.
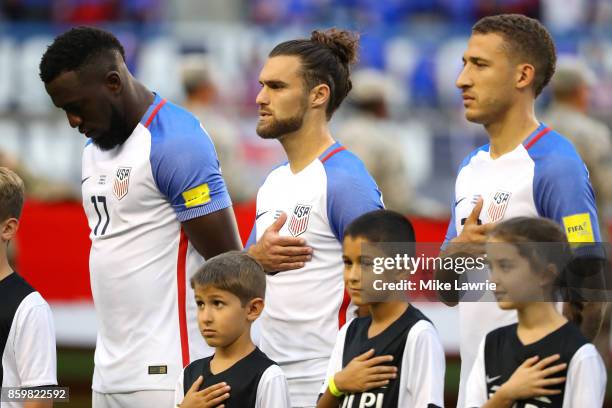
<point>537,137</point>
<point>330,154</point>
<point>346,300</point>
<point>181,283</point>
<point>152,115</point>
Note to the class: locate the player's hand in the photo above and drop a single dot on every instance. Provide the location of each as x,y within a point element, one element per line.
<point>365,372</point>
<point>279,253</point>
<point>209,397</point>
<point>531,379</point>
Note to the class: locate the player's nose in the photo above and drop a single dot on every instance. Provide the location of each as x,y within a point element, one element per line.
<point>463,81</point>
<point>74,120</point>
<point>262,97</point>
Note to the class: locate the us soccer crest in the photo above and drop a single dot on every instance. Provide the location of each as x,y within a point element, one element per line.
<point>498,205</point>
<point>122,181</point>
<point>299,219</point>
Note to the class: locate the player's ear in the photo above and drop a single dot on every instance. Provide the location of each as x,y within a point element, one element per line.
<point>112,81</point>
<point>8,229</point>
<point>254,308</point>
<point>525,75</point>
<point>319,95</point>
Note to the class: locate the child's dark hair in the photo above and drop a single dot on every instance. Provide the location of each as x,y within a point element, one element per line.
<point>383,226</point>
<point>326,57</point>
<point>235,272</point>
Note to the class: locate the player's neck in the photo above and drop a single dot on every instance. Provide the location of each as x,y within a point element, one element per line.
<point>509,131</point>
<point>137,100</point>
<point>384,314</point>
<point>227,356</point>
<point>305,145</point>
<point>5,268</point>
<point>536,320</point>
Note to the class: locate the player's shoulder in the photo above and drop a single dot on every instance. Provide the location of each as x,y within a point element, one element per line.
<point>500,335</point>
<point>343,167</point>
<point>196,367</point>
<point>552,147</point>
<point>172,123</point>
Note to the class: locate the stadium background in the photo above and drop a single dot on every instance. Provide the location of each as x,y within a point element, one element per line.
<point>410,56</point>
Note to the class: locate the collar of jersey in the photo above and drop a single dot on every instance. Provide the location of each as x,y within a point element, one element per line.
<point>156,102</point>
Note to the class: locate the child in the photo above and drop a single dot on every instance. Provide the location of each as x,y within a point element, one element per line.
<point>359,372</point>
<point>27,334</point>
<point>544,360</point>
<point>229,292</point>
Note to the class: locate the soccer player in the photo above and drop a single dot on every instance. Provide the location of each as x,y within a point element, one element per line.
<point>527,169</point>
<point>27,333</point>
<point>229,292</point>
<point>156,204</point>
<point>310,199</point>
<point>544,360</point>
<point>359,372</point>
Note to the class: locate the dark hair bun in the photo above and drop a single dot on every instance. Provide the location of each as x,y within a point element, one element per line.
<point>343,43</point>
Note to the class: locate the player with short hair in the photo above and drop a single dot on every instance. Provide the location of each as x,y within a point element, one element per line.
<point>527,169</point>
<point>156,204</point>
<point>393,357</point>
<point>27,332</point>
<point>544,360</point>
<point>229,292</point>
<point>311,199</point>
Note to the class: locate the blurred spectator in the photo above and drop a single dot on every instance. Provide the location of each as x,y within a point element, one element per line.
<point>530,8</point>
<point>567,15</point>
<point>568,115</point>
<point>371,136</point>
<point>26,10</point>
<point>201,100</point>
<point>37,187</point>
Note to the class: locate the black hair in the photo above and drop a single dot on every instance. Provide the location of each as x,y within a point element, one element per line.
<point>326,57</point>
<point>77,48</point>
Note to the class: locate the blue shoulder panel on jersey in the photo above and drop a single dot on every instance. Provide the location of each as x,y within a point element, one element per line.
<point>185,165</point>
<point>451,232</point>
<point>351,191</point>
<point>561,186</point>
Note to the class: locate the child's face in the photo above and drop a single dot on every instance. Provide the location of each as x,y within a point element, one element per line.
<point>353,263</point>
<point>221,317</point>
<point>516,282</point>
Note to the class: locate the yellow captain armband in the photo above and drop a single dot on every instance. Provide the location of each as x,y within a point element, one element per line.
<point>333,389</point>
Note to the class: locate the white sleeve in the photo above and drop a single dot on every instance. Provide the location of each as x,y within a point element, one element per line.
<point>179,391</point>
<point>423,367</point>
<point>273,390</point>
<point>476,388</point>
<point>586,379</point>
<point>335,360</point>
<point>35,353</point>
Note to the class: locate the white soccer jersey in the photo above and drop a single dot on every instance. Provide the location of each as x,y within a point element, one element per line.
<point>417,352</point>
<point>306,307</point>
<point>135,197</point>
<point>585,383</point>
<point>27,337</point>
<point>543,176</point>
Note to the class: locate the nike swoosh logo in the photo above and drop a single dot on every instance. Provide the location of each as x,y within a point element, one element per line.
<point>490,380</point>
<point>460,200</point>
<point>85,179</point>
<point>260,214</point>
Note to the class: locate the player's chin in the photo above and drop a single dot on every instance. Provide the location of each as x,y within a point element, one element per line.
<point>506,305</point>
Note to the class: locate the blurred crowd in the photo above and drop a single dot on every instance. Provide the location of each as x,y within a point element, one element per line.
<point>404,117</point>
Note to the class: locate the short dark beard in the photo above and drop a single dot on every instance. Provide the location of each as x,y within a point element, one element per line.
<point>117,133</point>
<point>279,128</point>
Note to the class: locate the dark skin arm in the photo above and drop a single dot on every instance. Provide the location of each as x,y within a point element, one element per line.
<point>214,233</point>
